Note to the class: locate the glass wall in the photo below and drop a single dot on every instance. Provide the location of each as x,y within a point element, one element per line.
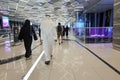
<point>95,27</point>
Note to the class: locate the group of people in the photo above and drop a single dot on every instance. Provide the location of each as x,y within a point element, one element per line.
<point>61,32</point>
<point>46,34</point>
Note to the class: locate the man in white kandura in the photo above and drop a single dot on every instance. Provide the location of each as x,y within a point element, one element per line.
<point>47,35</point>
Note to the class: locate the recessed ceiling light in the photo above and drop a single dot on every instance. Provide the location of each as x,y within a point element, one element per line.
<point>25,1</point>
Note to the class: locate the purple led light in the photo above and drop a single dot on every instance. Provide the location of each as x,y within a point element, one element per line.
<point>100,32</point>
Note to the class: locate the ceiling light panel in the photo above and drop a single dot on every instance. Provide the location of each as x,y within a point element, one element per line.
<point>4,1</point>
<point>4,6</point>
<point>28,7</point>
<point>57,4</point>
<point>42,1</point>
<point>66,0</point>
<point>22,3</point>
<point>26,1</point>
<point>39,4</point>
<point>15,0</point>
<point>13,6</point>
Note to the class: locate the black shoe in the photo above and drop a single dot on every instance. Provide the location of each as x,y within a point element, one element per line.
<point>47,62</point>
<point>28,58</point>
<point>55,40</point>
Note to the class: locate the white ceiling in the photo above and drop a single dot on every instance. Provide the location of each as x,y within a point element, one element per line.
<point>60,10</point>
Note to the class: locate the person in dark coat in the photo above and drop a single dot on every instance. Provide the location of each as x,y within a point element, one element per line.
<point>26,33</point>
<point>63,30</point>
<point>66,31</point>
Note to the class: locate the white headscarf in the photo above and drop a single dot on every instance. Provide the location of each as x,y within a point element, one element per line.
<point>47,29</point>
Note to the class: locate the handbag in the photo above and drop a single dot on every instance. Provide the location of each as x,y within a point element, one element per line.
<point>33,34</point>
<point>35,37</point>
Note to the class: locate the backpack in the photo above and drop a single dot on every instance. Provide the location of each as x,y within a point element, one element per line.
<point>59,28</point>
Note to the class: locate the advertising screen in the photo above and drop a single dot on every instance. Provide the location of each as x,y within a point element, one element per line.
<point>5,21</point>
<point>101,32</point>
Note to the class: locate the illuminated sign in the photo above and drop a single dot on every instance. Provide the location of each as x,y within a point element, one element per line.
<point>5,21</point>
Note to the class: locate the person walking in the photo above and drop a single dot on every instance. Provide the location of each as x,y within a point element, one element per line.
<point>63,31</point>
<point>66,31</point>
<point>26,33</point>
<point>60,33</point>
<point>47,35</point>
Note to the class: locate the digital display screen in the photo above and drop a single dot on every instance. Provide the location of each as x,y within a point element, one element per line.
<point>101,32</point>
<point>5,21</point>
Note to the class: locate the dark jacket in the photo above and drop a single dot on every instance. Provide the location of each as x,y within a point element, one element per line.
<point>26,33</point>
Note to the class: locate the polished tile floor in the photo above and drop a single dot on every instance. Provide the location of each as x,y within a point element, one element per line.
<point>70,61</point>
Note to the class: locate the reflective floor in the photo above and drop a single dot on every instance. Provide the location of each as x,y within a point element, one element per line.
<point>70,61</point>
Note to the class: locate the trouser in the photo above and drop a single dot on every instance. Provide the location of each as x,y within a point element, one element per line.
<point>67,33</point>
<point>63,33</point>
<point>47,46</point>
<point>27,45</point>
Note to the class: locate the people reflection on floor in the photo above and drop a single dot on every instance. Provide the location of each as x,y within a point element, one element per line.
<point>26,34</point>
<point>47,35</point>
